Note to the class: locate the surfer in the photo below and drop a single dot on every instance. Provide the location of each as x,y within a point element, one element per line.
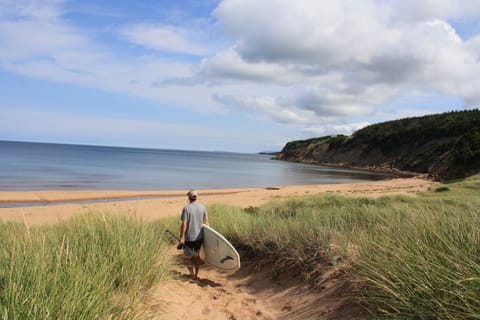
<point>194,215</point>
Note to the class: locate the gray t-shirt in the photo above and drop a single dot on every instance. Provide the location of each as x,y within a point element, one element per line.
<point>194,214</point>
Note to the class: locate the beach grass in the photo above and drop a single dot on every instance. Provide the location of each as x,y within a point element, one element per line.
<point>96,266</point>
<point>407,257</point>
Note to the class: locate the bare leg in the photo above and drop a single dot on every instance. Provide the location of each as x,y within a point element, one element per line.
<point>197,267</point>
<point>189,262</point>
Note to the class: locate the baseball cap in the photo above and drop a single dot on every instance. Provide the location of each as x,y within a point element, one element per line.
<point>192,194</point>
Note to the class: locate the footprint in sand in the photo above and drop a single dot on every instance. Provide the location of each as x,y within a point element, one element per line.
<point>287,307</point>
<point>206,311</point>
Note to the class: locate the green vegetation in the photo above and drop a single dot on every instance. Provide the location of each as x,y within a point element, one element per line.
<point>407,257</point>
<point>464,126</point>
<point>467,150</point>
<point>299,144</point>
<point>446,145</point>
<point>92,267</point>
<point>331,140</point>
<point>410,130</point>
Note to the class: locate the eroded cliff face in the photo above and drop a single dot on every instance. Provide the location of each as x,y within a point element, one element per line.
<point>445,146</point>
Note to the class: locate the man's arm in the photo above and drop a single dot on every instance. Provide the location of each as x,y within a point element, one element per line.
<point>183,229</point>
<point>205,220</point>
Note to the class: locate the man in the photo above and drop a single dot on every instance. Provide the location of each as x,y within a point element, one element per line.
<point>194,215</point>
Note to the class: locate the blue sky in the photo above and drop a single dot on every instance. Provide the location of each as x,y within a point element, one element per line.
<point>231,75</point>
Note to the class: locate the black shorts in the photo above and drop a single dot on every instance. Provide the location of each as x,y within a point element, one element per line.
<point>195,245</point>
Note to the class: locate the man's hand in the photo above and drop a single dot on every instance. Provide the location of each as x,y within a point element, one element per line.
<point>180,246</point>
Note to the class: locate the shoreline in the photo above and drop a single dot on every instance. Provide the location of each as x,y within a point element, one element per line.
<point>389,171</point>
<point>153,205</point>
<point>56,196</point>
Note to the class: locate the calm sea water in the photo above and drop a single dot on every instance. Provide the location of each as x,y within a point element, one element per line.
<point>45,166</point>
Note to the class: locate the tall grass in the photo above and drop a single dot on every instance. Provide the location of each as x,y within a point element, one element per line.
<point>92,267</point>
<point>424,263</point>
<point>410,257</point>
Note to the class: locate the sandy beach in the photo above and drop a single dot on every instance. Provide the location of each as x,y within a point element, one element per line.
<point>47,207</point>
<point>245,294</point>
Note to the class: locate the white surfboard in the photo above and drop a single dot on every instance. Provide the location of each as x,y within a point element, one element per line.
<point>218,251</point>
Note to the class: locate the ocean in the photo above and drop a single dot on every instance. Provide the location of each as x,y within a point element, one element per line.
<point>45,166</point>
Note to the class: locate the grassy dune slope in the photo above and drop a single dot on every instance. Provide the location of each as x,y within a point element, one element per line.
<point>92,267</point>
<point>404,257</point>
<point>407,257</point>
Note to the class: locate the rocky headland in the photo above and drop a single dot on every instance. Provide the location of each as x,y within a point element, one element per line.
<point>442,146</point>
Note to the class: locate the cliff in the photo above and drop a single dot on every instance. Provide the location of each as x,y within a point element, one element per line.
<point>444,146</point>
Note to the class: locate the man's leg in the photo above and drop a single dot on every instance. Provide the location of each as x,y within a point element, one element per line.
<point>197,266</point>
<point>198,261</point>
<point>189,262</point>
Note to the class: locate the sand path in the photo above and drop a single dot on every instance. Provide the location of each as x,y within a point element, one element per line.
<point>249,294</point>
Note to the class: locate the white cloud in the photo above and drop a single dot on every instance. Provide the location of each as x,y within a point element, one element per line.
<point>52,48</point>
<point>46,123</point>
<point>29,39</point>
<point>165,38</point>
<point>305,63</point>
<point>332,128</point>
<point>345,58</point>
<point>45,9</point>
<point>268,106</point>
<point>305,32</point>
<point>229,65</point>
<point>414,10</point>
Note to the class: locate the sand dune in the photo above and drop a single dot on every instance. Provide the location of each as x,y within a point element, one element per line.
<point>246,294</point>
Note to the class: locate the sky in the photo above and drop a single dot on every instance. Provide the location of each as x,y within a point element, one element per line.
<point>230,75</point>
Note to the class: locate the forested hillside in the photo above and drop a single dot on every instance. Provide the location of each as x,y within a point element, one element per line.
<point>445,146</point>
